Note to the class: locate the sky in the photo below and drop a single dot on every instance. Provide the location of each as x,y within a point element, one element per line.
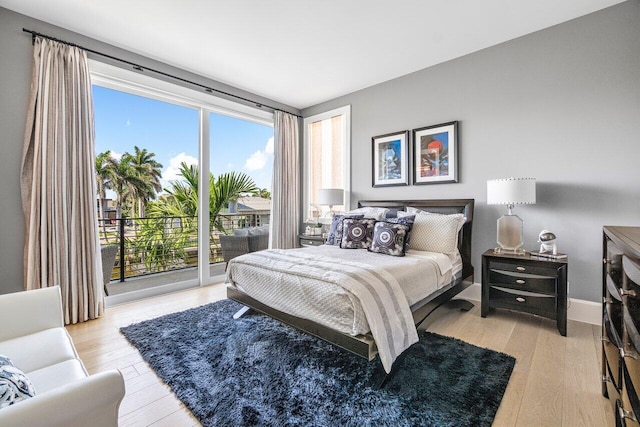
<point>123,120</point>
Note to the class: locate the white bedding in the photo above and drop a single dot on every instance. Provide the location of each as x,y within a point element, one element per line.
<point>305,284</point>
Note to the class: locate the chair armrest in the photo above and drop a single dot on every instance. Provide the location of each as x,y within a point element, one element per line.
<point>91,401</point>
<point>233,246</point>
<point>43,308</point>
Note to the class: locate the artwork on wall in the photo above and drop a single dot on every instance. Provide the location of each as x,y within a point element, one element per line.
<point>391,159</point>
<point>435,154</point>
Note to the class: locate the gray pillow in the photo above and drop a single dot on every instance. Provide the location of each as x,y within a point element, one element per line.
<point>240,232</point>
<point>14,384</point>
<point>263,230</point>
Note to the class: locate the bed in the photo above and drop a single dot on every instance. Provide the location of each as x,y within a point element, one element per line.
<point>312,289</point>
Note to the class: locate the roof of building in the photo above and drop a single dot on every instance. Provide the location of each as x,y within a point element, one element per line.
<point>253,204</point>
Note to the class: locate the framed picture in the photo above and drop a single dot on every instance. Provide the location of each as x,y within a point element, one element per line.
<point>435,154</point>
<point>390,159</point>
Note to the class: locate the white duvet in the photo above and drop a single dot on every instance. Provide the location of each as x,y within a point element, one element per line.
<point>350,290</point>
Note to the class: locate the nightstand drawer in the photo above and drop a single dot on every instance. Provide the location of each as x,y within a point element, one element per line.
<point>523,301</point>
<point>522,267</point>
<point>523,281</point>
<point>309,242</point>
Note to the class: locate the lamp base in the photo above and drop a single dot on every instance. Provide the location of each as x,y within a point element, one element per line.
<point>510,235</point>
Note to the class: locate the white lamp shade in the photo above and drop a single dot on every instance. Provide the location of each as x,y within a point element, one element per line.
<point>511,191</point>
<point>331,196</point>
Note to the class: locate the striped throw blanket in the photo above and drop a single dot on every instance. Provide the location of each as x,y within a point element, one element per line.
<point>382,299</point>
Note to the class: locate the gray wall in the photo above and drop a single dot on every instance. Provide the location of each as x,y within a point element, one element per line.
<point>15,75</point>
<point>561,105</point>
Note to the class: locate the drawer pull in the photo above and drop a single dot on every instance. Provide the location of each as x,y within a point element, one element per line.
<point>519,268</point>
<point>626,414</point>
<point>520,299</point>
<point>630,354</point>
<point>629,292</point>
<point>606,379</point>
<point>606,261</point>
<point>607,300</point>
<point>520,282</point>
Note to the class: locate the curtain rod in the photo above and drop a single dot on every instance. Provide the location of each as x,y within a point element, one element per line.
<point>138,67</point>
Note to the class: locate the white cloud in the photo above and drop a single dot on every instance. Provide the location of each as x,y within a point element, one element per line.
<point>259,159</point>
<point>128,123</point>
<point>172,172</point>
<point>115,155</point>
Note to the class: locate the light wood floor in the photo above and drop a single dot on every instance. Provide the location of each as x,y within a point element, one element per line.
<point>556,380</point>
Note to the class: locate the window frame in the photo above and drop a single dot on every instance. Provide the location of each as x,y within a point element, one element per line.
<point>137,83</point>
<point>344,111</point>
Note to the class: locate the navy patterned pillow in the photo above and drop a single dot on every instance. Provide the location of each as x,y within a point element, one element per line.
<point>390,238</point>
<point>14,384</point>
<point>406,220</point>
<point>335,231</point>
<point>358,233</point>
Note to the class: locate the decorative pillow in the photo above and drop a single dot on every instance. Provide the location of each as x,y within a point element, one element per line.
<point>358,233</point>
<point>14,384</point>
<point>405,220</point>
<point>263,230</point>
<point>435,232</point>
<point>241,232</point>
<point>389,238</point>
<point>412,210</point>
<point>335,231</point>
<point>370,212</point>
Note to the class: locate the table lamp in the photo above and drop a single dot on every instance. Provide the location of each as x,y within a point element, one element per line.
<point>331,197</point>
<point>511,192</point>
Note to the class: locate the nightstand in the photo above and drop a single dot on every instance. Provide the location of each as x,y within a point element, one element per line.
<point>310,240</point>
<point>525,283</point>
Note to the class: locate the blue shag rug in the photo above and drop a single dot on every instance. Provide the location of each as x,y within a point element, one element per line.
<point>255,371</point>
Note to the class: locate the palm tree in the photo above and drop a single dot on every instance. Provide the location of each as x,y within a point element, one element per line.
<point>148,170</point>
<point>104,177</point>
<point>182,198</point>
<point>126,181</point>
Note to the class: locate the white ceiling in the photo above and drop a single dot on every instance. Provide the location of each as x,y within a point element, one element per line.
<point>303,52</point>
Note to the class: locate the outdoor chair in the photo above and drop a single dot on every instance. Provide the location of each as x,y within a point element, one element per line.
<point>233,246</point>
<point>108,254</point>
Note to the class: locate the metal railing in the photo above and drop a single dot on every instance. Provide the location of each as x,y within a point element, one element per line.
<point>155,245</point>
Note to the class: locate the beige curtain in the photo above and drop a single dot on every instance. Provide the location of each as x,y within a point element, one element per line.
<point>58,183</point>
<point>285,194</point>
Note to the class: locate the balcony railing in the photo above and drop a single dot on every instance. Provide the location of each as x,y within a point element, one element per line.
<point>155,245</point>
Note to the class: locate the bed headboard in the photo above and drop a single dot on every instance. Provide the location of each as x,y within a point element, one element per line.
<point>441,206</point>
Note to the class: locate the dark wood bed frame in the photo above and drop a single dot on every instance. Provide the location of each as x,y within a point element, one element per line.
<point>364,345</point>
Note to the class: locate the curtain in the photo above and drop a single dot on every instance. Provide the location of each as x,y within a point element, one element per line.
<point>58,183</point>
<point>285,195</point>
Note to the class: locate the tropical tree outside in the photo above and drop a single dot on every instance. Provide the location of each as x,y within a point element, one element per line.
<point>182,198</point>
<point>148,170</point>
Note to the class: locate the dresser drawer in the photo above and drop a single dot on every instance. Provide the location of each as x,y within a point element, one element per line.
<point>521,267</point>
<point>523,301</point>
<point>611,345</point>
<point>630,402</point>
<point>523,281</point>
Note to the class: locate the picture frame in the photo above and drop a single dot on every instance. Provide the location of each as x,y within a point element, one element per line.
<point>435,154</point>
<point>390,158</point>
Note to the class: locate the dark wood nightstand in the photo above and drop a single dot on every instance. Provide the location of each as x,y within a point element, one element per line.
<point>525,283</point>
<point>310,240</point>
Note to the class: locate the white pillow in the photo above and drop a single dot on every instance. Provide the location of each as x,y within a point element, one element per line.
<point>435,232</point>
<point>371,212</point>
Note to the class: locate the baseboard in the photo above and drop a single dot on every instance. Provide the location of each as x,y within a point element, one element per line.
<point>578,310</point>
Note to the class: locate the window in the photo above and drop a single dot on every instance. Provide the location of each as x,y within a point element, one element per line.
<point>188,134</point>
<point>327,158</point>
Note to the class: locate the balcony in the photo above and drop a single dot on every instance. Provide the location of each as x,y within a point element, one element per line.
<point>158,251</point>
